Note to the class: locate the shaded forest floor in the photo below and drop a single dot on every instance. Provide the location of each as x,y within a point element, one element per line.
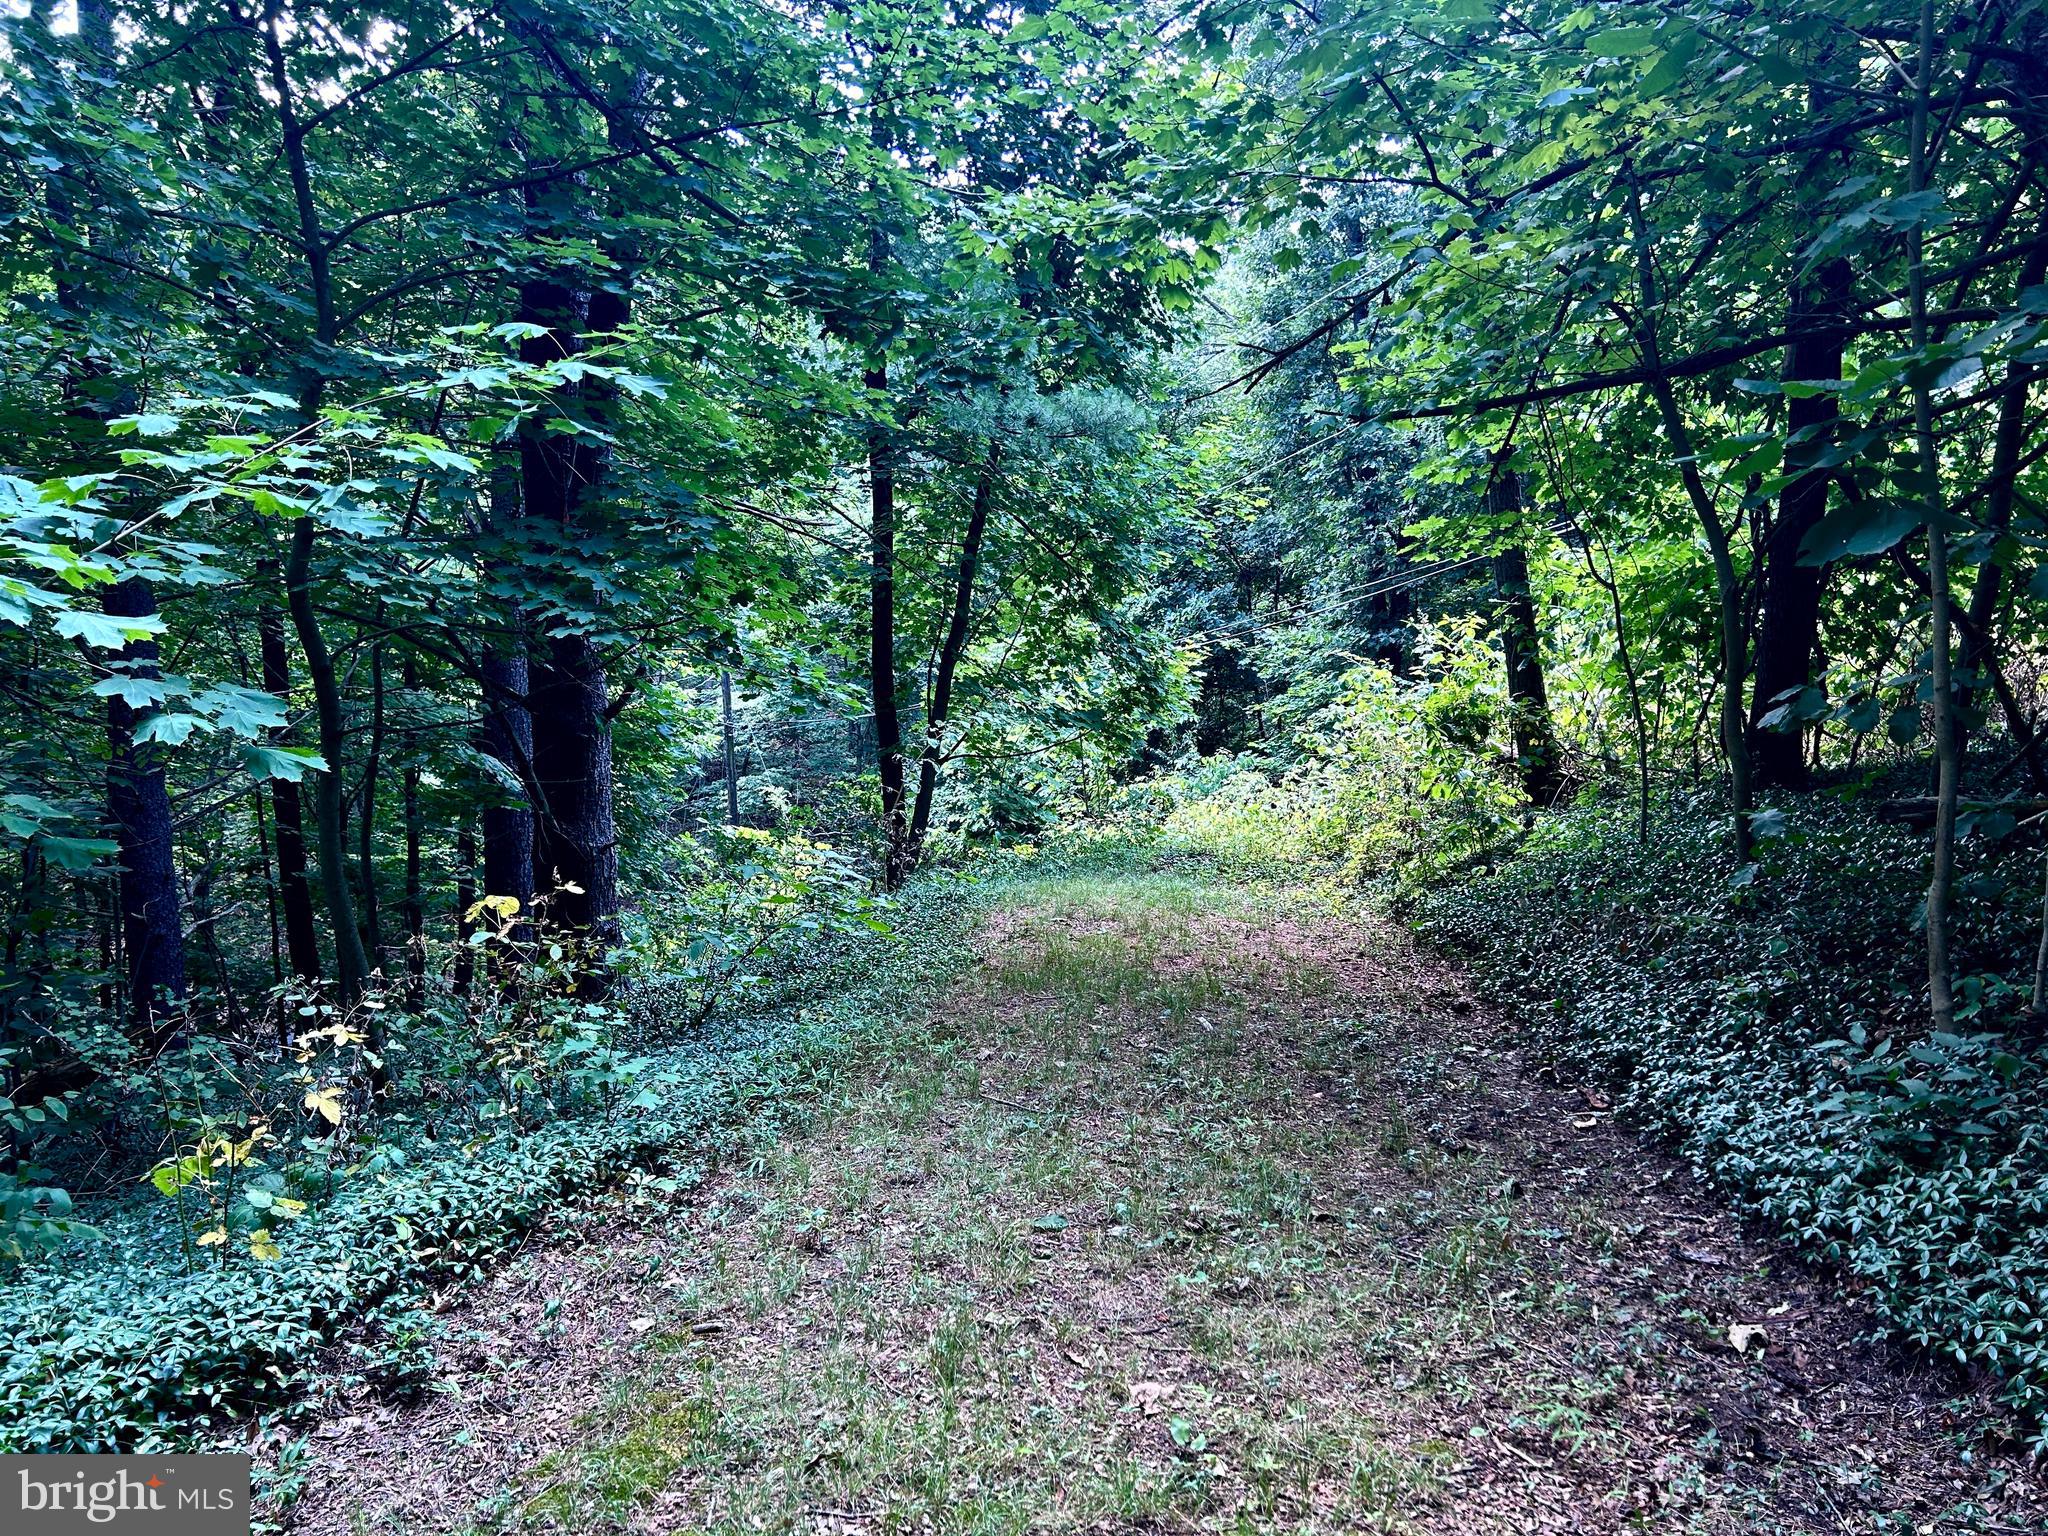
<point>1195,1208</point>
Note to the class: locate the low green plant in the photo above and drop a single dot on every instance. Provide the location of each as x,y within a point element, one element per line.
<point>1770,1021</point>
<point>127,1345</point>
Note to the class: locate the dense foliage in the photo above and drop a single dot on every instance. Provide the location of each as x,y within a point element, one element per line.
<point>1771,1031</point>
<point>130,1347</point>
<point>520,522</point>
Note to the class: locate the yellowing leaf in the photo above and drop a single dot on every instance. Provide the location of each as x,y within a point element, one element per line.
<point>217,1235</point>
<point>262,1246</point>
<point>326,1102</point>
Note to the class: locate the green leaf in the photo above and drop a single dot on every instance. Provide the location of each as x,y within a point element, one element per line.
<point>290,764</point>
<point>104,632</point>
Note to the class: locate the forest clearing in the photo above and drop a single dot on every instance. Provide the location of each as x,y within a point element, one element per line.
<point>878,765</point>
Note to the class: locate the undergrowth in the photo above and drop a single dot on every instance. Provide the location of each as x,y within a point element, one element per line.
<point>125,1344</point>
<point>1772,1025</point>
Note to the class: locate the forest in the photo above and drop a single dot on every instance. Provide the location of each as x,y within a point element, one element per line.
<point>1363,683</point>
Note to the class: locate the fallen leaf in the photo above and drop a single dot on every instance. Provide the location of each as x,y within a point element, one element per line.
<point>641,1324</point>
<point>1151,1396</point>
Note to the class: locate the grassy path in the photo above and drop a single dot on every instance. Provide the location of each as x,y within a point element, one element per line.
<point>1194,1209</point>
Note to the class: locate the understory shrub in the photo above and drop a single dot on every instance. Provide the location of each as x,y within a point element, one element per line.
<point>125,1343</point>
<point>1396,776</point>
<point>1772,1024</point>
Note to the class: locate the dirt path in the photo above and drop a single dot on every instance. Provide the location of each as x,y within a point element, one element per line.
<point>1189,1212</point>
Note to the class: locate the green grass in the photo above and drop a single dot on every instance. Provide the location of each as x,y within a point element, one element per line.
<point>1154,1227</point>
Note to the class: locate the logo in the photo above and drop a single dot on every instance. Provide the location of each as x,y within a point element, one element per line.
<point>126,1495</point>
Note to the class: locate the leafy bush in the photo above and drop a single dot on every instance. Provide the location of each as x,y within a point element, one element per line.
<point>732,905</point>
<point>1773,1026</point>
<point>127,1344</point>
<point>1397,776</point>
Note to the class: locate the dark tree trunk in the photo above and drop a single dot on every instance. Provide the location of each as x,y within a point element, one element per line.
<point>732,782</point>
<point>882,680</point>
<point>301,938</point>
<point>351,963</point>
<point>1521,646</point>
<point>265,872</point>
<point>505,732</point>
<point>568,698</point>
<point>465,898</point>
<point>1789,592</point>
<point>139,802</point>
<point>415,894</point>
<point>951,648</point>
<point>506,735</point>
<point>366,815</point>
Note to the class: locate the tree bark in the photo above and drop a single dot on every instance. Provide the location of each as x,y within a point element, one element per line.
<point>882,679</point>
<point>951,648</point>
<point>351,962</point>
<point>575,834</point>
<point>1789,591</point>
<point>295,897</point>
<point>732,782</point>
<point>465,898</point>
<point>415,893</point>
<point>366,814</point>
<point>1941,864</point>
<point>139,803</point>
<point>505,731</point>
<point>1521,645</point>
<point>506,735</point>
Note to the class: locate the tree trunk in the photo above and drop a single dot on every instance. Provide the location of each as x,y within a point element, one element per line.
<point>351,963</point>
<point>951,648</point>
<point>1941,870</point>
<point>301,938</point>
<point>366,817</point>
<point>882,680</point>
<point>465,898</point>
<point>139,803</point>
<point>732,782</point>
<point>1521,645</point>
<point>1727,582</point>
<point>1973,652</point>
<point>575,835</point>
<point>506,735</point>
<point>415,894</point>
<point>1789,591</point>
